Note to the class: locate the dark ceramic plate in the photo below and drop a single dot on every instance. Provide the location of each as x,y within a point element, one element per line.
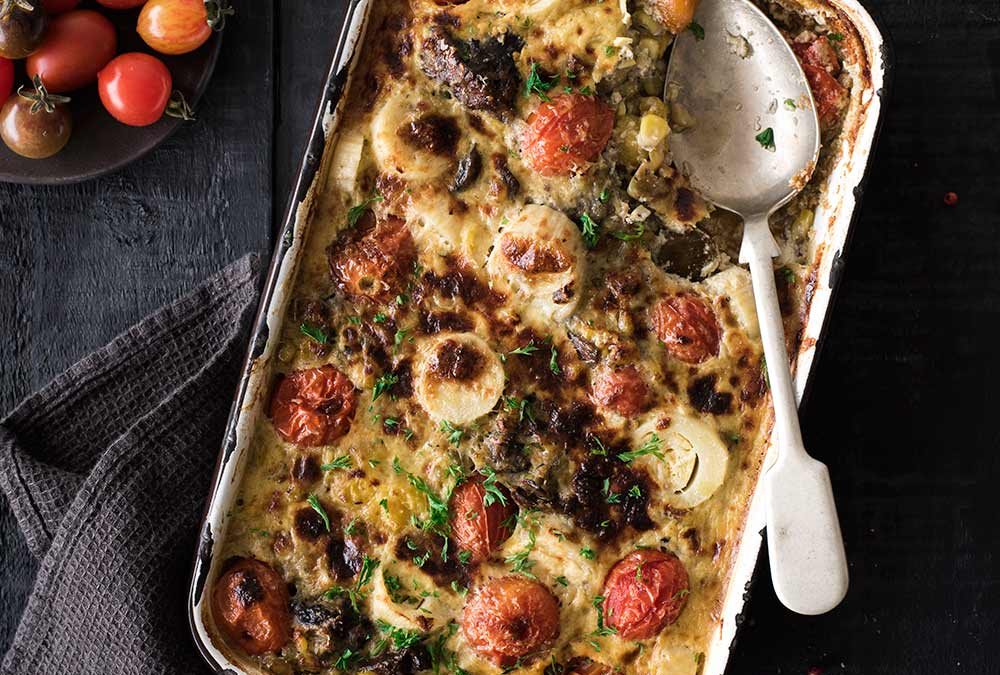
<point>100,144</point>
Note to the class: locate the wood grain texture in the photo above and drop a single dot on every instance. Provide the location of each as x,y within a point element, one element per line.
<point>898,409</point>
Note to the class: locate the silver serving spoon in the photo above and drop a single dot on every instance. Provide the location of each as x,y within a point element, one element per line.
<point>738,81</point>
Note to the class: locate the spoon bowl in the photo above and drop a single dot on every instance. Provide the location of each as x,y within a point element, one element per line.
<point>738,81</point>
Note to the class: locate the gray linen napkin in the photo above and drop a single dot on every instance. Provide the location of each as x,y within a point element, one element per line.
<point>107,469</point>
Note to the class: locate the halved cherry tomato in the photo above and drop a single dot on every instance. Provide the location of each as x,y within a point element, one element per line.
<point>59,6</point>
<point>179,26</point>
<point>76,46</point>
<point>374,259</point>
<point>822,65</point>
<point>688,328</point>
<point>6,78</point>
<point>477,527</point>
<point>121,4</point>
<point>313,407</point>
<point>250,604</point>
<point>135,88</point>
<point>510,617</point>
<point>567,133</point>
<point>643,593</point>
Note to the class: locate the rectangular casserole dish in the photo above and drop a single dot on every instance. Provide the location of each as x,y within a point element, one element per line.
<point>834,219</point>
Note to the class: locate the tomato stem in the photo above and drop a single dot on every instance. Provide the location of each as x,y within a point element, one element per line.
<point>217,11</point>
<point>40,96</point>
<point>178,107</point>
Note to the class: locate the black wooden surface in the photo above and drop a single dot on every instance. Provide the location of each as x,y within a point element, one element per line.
<point>899,408</point>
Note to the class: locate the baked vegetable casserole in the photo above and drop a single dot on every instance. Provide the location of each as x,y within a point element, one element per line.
<point>519,405</point>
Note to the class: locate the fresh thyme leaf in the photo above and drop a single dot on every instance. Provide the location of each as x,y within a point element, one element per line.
<point>342,462</point>
<point>650,447</point>
<point>315,333</point>
<point>697,30</point>
<point>538,85</point>
<point>590,229</point>
<point>766,139</point>
<point>355,212</point>
<point>383,383</point>
<point>313,501</point>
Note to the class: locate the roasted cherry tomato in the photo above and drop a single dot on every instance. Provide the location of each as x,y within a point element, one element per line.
<point>34,123</point>
<point>643,593</point>
<point>510,617</point>
<point>674,15</point>
<point>6,78</point>
<point>688,327</point>
<point>567,133</point>
<point>77,45</point>
<point>135,88</point>
<point>822,65</point>
<point>250,604</point>
<point>373,260</point>
<point>313,407</point>
<point>477,526</point>
<point>181,26</point>
<point>621,389</point>
<point>121,4</point>
<point>22,26</point>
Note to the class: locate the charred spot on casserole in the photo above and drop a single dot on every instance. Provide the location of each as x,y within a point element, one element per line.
<point>519,402</point>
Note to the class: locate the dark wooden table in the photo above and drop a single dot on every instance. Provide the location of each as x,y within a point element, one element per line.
<point>899,408</point>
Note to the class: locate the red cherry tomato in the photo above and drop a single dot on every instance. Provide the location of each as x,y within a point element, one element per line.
<point>6,78</point>
<point>622,390</point>
<point>250,604</point>
<point>313,407</point>
<point>59,6</point>
<point>121,4</point>
<point>174,26</point>
<point>643,593</point>
<point>135,88</point>
<point>567,133</point>
<point>477,527</point>
<point>510,617</point>
<point>688,328</point>
<point>76,46</point>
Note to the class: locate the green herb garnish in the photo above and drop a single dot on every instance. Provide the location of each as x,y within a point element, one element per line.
<point>697,30</point>
<point>766,139</point>
<point>342,462</point>
<point>538,85</point>
<point>355,212</point>
<point>314,502</point>
<point>382,384</point>
<point>315,333</point>
<point>650,447</point>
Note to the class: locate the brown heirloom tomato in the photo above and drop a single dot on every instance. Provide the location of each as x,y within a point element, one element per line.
<point>622,390</point>
<point>509,618</point>
<point>250,604</point>
<point>477,527</point>
<point>643,593</point>
<point>374,260</point>
<point>567,133</point>
<point>313,407</point>
<point>688,327</point>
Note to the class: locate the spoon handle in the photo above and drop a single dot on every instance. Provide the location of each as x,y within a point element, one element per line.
<point>808,563</point>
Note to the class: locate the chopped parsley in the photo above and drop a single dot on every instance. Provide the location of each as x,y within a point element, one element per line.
<point>493,493</point>
<point>766,139</point>
<point>562,581</point>
<point>342,462</point>
<point>401,638</point>
<point>554,362</point>
<point>313,501</point>
<point>520,562</point>
<point>588,553</point>
<point>315,333</point>
<point>610,50</point>
<point>384,503</point>
<point>697,30</point>
<point>526,350</point>
<point>635,491</point>
<point>399,337</point>
<point>454,433</point>
<point>602,628</point>
<point>609,496</point>
<point>836,37</point>
<point>538,84</point>
<point>633,235</point>
<point>591,230</point>
<point>344,660</point>
<point>355,212</point>
<point>523,406</point>
<point>382,385</point>
<point>380,318</point>
<point>650,447</point>
<point>790,104</point>
<point>598,448</point>
<point>605,195</point>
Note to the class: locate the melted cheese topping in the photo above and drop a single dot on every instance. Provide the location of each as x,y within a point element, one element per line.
<point>536,301</point>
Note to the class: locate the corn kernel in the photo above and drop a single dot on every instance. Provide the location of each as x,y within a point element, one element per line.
<point>652,130</point>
